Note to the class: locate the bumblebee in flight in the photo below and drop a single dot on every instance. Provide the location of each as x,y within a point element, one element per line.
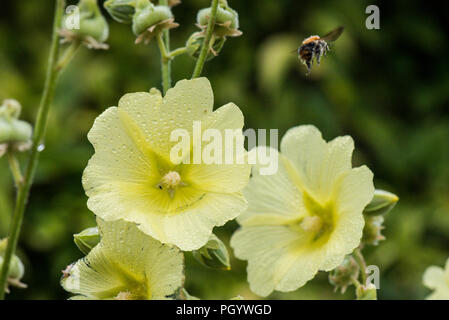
<point>316,47</point>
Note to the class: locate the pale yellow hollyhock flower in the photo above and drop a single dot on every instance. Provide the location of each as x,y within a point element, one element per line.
<point>132,177</point>
<point>127,264</point>
<point>437,279</point>
<point>307,216</point>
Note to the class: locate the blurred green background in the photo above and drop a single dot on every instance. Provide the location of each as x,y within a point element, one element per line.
<point>387,88</point>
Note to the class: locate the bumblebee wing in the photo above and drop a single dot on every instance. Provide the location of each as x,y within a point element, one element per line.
<point>333,35</point>
<point>295,51</point>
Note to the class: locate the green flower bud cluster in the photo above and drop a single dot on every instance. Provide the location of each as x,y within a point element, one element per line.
<point>226,23</point>
<point>149,20</point>
<point>382,203</point>
<point>343,276</point>
<point>372,232</point>
<point>14,133</point>
<point>93,30</point>
<point>87,239</point>
<point>195,42</point>
<point>213,254</point>
<point>16,268</point>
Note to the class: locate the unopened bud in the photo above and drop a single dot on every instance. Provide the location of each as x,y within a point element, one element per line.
<point>213,254</point>
<point>87,239</point>
<point>149,20</point>
<point>368,292</point>
<point>14,133</point>
<point>343,276</point>
<point>372,232</point>
<point>10,108</point>
<point>121,10</point>
<point>195,42</point>
<point>226,21</point>
<point>92,29</point>
<point>16,268</point>
<point>382,202</point>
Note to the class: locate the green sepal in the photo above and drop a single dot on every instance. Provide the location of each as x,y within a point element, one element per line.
<point>87,239</point>
<point>213,254</point>
<point>121,10</point>
<point>382,202</point>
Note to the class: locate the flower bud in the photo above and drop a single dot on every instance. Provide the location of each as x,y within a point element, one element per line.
<point>87,239</point>
<point>372,230</point>
<point>14,133</point>
<point>10,108</point>
<point>195,42</point>
<point>16,268</point>
<point>342,276</point>
<point>226,21</point>
<point>92,30</point>
<point>213,254</point>
<point>382,202</point>
<point>121,10</point>
<point>368,292</point>
<point>149,20</point>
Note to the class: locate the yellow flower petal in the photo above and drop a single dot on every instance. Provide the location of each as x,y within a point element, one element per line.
<point>437,279</point>
<point>267,250</point>
<point>190,229</point>
<point>433,277</point>
<point>221,177</point>
<point>187,101</point>
<point>272,199</point>
<point>353,191</point>
<point>318,163</point>
<point>126,263</point>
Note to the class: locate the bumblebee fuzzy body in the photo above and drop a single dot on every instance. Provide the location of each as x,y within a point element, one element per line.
<point>314,47</point>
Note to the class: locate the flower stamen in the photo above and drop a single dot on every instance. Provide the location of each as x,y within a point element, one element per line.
<point>312,224</point>
<point>170,181</point>
<point>123,295</point>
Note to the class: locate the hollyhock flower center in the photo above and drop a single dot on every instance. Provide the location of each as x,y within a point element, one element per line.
<point>312,224</point>
<point>124,295</point>
<point>136,292</point>
<point>170,181</point>
<point>320,219</point>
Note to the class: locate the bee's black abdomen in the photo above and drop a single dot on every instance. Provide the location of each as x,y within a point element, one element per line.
<point>306,51</point>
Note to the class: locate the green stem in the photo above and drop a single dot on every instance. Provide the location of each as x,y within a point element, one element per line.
<point>177,52</point>
<point>164,54</point>
<point>38,136</point>
<point>206,44</point>
<point>165,63</point>
<point>15,168</point>
<point>362,264</point>
<point>68,54</point>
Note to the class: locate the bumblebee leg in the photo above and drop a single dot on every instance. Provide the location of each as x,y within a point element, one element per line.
<point>308,63</point>
<point>326,49</point>
<point>318,58</point>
